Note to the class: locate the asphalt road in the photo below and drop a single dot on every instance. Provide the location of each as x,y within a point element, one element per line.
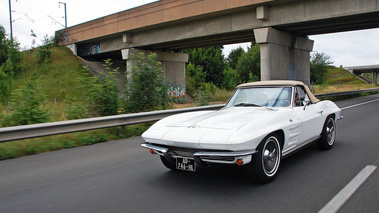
<point>120,176</point>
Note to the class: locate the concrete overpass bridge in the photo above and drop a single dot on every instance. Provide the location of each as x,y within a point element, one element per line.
<point>359,70</point>
<point>167,27</point>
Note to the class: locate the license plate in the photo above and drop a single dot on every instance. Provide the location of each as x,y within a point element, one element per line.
<point>185,164</point>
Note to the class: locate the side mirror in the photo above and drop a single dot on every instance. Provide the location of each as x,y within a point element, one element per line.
<point>306,103</point>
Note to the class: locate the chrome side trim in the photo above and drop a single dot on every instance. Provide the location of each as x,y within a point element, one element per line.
<point>296,148</point>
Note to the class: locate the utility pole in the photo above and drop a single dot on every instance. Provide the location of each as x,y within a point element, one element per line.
<point>10,18</point>
<point>65,14</point>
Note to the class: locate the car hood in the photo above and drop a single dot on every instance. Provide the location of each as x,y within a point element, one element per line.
<point>225,119</point>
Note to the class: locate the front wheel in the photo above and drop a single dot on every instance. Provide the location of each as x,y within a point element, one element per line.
<point>265,163</point>
<point>328,134</point>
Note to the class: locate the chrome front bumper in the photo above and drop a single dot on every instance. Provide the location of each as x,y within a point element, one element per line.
<point>204,156</point>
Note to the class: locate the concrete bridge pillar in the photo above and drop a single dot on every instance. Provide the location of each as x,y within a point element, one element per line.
<point>375,78</point>
<point>174,69</point>
<point>283,56</point>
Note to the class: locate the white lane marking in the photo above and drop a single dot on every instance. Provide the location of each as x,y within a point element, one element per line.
<point>355,105</point>
<point>348,190</point>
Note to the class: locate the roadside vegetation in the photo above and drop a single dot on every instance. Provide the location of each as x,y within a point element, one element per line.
<point>49,83</point>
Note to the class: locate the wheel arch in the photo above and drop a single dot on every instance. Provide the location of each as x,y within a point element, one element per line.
<point>281,136</point>
<point>333,115</point>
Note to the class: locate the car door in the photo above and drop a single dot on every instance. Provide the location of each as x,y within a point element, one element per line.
<point>309,113</point>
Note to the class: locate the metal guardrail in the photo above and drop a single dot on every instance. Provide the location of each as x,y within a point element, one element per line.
<point>61,127</point>
<point>336,94</point>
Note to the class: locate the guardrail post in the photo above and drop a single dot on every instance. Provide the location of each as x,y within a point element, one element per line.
<point>121,130</point>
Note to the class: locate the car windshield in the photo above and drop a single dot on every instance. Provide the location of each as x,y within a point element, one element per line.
<point>261,96</point>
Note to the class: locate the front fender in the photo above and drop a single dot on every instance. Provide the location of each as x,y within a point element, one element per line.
<point>250,135</point>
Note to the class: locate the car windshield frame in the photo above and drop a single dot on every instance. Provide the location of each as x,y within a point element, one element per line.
<point>262,96</point>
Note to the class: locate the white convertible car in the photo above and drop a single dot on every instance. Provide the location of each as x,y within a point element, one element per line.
<point>261,123</point>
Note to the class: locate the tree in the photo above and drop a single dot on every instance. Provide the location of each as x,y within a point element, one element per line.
<point>147,90</point>
<point>248,66</point>
<point>9,59</point>
<point>212,62</point>
<point>195,77</point>
<point>231,78</point>
<point>234,56</point>
<point>318,67</point>
<point>3,46</point>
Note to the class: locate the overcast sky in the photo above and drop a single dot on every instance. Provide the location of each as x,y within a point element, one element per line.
<point>44,17</point>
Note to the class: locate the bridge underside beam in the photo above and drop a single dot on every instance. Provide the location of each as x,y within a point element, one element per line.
<point>284,56</point>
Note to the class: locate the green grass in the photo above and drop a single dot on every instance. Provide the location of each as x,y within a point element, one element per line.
<point>336,76</point>
<point>339,80</point>
<point>58,79</point>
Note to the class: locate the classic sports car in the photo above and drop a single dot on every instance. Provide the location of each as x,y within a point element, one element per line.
<point>261,123</point>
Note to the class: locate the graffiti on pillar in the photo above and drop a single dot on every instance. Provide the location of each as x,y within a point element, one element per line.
<point>65,37</point>
<point>89,49</point>
<point>177,93</point>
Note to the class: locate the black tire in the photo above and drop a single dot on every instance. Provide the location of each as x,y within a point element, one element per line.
<point>265,163</point>
<point>328,134</point>
<point>170,165</point>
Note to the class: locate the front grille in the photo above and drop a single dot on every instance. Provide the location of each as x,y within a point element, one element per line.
<point>184,152</point>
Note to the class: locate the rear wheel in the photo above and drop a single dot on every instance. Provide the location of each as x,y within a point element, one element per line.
<point>265,163</point>
<point>328,135</point>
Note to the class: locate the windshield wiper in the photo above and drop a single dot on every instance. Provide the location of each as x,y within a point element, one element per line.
<point>248,104</point>
<point>252,105</point>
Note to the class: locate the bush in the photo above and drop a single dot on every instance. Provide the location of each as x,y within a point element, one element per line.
<point>146,91</point>
<point>101,93</point>
<point>26,107</point>
<point>44,51</point>
<point>75,109</point>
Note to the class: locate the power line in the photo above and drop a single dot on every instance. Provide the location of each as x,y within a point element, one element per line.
<point>65,26</point>
<point>23,15</point>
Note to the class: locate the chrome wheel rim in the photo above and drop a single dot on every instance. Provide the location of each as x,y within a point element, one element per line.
<point>271,156</point>
<point>330,131</point>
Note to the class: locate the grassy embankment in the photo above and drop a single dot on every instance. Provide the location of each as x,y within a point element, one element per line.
<point>58,81</point>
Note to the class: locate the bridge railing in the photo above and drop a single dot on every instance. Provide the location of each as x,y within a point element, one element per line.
<point>61,127</point>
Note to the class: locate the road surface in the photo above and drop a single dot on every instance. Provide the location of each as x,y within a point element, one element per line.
<point>120,176</point>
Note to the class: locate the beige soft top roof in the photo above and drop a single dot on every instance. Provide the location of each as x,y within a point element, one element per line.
<point>282,83</point>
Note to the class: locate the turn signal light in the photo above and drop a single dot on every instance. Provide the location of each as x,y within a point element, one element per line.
<point>152,151</point>
<point>239,161</point>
